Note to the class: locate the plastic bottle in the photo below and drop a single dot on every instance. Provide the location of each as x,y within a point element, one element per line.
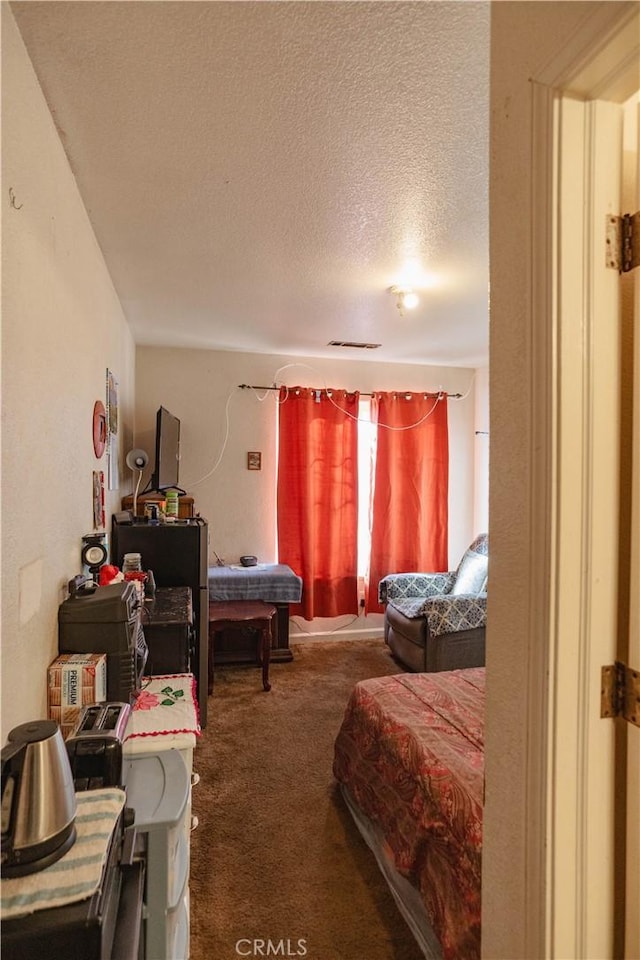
<point>172,503</point>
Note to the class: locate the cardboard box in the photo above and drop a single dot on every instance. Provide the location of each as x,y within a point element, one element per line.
<point>75,680</point>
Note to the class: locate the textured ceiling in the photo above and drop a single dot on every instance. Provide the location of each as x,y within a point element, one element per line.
<point>258,174</point>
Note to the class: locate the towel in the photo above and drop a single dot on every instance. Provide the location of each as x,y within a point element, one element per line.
<point>76,875</point>
<point>165,707</point>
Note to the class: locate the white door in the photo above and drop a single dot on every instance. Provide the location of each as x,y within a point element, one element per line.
<point>581,867</point>
<point>567,856</point>
<point>632,927</point>
<point>594,763</point>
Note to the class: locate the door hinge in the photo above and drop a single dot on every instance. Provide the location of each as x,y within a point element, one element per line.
<point>620,692</point>
<point>623,242</point>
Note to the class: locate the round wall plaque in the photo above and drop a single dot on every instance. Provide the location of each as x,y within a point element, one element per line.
<point>99,428</point>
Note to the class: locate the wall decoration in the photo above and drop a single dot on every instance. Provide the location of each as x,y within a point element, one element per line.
<point>113,469</point>
<point>254,460</point>
<point>99,428</point>
<point>98,499</point>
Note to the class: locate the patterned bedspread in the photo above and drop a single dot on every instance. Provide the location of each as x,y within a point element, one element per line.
<point>410,752</point>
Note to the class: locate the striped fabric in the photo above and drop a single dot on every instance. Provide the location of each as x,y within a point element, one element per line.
<point>272,582</point>
<point>76,875</point>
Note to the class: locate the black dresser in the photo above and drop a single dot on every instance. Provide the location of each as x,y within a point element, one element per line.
<point>177,554</point>
<point>167,622</point>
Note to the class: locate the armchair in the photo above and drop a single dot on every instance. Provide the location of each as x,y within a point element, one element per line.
<point>437,621</point>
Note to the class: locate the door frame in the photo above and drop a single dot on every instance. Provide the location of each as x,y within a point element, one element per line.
<point>599,63</point>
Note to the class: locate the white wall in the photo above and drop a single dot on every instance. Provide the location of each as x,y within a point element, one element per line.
<point>62,326</point>
<point>201,388</point>
<point>481,451</point>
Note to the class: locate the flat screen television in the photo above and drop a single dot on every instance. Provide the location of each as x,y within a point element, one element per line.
<point>167,466</point>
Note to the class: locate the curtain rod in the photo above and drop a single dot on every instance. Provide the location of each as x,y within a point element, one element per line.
<point>440,393</point>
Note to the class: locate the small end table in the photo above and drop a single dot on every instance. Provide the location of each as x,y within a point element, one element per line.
<point>240,614</point>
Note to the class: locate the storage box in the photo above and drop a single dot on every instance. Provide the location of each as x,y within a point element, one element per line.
<point>75,680</point>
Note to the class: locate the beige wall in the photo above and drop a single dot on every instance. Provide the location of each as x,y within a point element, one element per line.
<point>62,326</point>
<point>201,388</point>
<point>481,452</point>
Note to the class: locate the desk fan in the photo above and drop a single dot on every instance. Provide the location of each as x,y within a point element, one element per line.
<point>137,460</point>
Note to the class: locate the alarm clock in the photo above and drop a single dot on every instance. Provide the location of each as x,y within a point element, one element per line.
<point>94,554</point>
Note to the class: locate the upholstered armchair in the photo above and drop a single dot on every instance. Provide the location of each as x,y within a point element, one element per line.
<point>436,621</point>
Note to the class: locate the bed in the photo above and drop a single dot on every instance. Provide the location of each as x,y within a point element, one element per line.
<point>409,761</point>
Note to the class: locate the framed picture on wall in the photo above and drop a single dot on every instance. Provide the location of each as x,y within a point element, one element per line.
<point>113,470</point>
<point>254,460</point>
<point>98,499</point>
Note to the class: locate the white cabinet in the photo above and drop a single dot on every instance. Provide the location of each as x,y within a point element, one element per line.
<point>158,789</point>
<point>158,775</point>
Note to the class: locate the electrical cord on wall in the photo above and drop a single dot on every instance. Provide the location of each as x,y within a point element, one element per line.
<point>342,626</point>
<point>269,392</point>
<point>196,483</point>
<point>328,392</point>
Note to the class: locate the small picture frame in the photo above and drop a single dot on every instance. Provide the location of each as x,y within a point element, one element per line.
<point>254,460</point>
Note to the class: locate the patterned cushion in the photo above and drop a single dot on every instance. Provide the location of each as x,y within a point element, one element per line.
<point>410,607</point>
<point>398,586</point>
<point>481,544</point>
<point>447,614</point>
<point>471,575</point>
<point>452,614</point>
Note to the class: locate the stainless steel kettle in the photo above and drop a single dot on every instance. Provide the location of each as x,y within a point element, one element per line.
<point>38,808</point>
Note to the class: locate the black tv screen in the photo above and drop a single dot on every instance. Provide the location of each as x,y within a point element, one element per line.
<point>167,465</point>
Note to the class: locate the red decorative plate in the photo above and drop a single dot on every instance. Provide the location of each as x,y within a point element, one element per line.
<point>99,428</point>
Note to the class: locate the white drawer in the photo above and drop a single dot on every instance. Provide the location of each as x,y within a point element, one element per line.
<point>178,930</point>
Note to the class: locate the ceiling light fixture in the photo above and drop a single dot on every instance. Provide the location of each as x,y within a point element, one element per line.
<point>406,299</point>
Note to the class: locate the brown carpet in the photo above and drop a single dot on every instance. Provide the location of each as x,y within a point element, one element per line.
<point>276,856</point>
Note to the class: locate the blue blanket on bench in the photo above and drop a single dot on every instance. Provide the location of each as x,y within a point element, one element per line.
<point>273,582</point>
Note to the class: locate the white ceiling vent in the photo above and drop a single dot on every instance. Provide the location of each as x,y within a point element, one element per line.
<point>352,343</point>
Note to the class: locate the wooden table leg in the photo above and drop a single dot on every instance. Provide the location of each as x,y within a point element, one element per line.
<point>266,654</point>
<point>258,616</point>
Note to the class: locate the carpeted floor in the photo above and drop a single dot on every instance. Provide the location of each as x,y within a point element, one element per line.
<point>276,856</point>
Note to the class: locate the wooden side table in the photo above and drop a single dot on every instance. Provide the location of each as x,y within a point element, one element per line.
<point>240,614</point>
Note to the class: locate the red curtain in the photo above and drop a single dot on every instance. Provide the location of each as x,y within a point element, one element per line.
<point>318,497</point>
<point>410,497</point>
